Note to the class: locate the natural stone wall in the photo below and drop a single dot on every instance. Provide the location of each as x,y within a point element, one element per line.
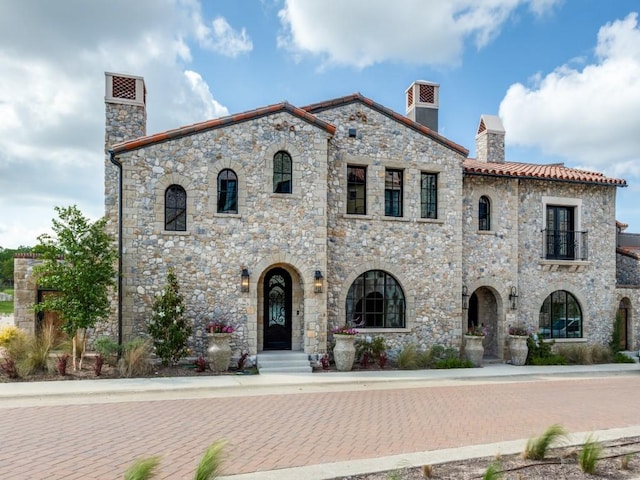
<point>490,147</point>
<point>627,269</point>
<point>591,282</point>
<point>423,255</point>
<point>270,229</point>
<point>25,292</point>
<point>630,298</point>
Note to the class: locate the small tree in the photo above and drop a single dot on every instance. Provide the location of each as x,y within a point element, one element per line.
<point>168,327</point>
<point>79,263</point>
<point>616,334</point>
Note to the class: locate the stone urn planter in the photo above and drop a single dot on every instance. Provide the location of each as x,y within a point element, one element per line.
<point>473,349</point>
<point>344,353</point>
<point>219,351</point>
<point>518,349</point>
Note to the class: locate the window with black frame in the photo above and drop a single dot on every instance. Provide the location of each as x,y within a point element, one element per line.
<point>375,300</point>
<point>484,213</point>
<point>428,195</point>
<point>393,193</point>
<point>560,234</point>
<point>560,316</point>
<point>356,190</point>
<point>227,191</point>
<point>175,208</point>
<point>282,173</point>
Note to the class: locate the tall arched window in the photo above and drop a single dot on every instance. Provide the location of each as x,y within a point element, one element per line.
<point>282,173</point>
<point>227,191</point>
<point>560,316</point>
<point>375,300</point>
<point>484,213</point>
<point>175,208</point>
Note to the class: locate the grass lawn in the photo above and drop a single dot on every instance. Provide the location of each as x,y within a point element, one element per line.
<point>6,307</point>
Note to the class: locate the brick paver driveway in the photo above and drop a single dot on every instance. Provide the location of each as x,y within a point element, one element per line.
<point>303,426</point>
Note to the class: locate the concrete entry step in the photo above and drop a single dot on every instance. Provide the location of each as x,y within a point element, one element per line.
<point>281,361</point>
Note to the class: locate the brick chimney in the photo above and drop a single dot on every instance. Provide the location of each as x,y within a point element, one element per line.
<point>422,103</point>
<point>490,139</point>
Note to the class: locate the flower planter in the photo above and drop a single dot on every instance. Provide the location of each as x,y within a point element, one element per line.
<point>473,349</point>
<point>219,351</point>
<point>344,352</point>
<point>518,349</point>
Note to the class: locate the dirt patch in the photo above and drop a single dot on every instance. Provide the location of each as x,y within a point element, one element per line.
<point>561,463</point>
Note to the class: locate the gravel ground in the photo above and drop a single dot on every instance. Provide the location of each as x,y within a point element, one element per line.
<point>560,464</point>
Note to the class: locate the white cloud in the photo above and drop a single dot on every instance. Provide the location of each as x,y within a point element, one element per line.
<point>590,115</point>
<point>364,32</point>
<point>52,99</point>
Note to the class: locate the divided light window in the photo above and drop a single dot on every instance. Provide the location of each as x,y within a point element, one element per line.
<point>356,190</point>
<point>393,193</point>
<point>175,208</point>
<point>429,195</point>
<point>227,191</point>
<point>561,237</point>
<point>484,214</point>
<point>282,173</point>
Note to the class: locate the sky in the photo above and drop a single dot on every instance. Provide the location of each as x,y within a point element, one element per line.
<point>563,75</point>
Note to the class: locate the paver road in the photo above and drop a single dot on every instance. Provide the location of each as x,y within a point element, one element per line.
<point>303,426</point>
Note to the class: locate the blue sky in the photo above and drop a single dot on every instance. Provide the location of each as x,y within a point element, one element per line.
<point>564,76</point>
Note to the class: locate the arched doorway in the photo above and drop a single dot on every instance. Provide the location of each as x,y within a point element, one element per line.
<point>483,313</point>
<point>277,310</point>
<point>624,317</point>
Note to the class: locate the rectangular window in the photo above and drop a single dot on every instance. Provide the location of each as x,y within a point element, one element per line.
<point>356,190</point>
<point>561,239</point>
<point>393,193</point>
<point>429,195</point>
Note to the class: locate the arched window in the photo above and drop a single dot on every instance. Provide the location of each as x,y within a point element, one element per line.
<point>375,300</point>
<point>560,316</point>
<point>227,191</point>
<point>282,172</point>
<point>484,213</point>
<point>175,208</point>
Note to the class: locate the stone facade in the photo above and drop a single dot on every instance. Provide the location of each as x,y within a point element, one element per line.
<point>452,274</point>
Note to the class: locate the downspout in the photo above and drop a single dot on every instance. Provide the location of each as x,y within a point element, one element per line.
<point>113,159</point>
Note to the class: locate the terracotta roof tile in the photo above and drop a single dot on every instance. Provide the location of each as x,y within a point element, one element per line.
<point>357,97</point>
<point>621,226</point>
<point>536,171</point>
<point>220,122</point>
<point>633,252</point>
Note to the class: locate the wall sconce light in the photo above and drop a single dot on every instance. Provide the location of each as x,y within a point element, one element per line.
<point>513,298</point>
<point>244,280</point>
<point>465,298</point>
<point>318,281</point>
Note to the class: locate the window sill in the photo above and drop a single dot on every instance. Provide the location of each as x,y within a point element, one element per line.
<point>357,216</point>
<point>486,232</point>
<point>227,215</point>
<point>176,232</point>
<point>549,265</point>
<point>364,331</point>
<point>437,221</point>
<point>394,219</point>
<point>285,196</point>
<point>566,340</point>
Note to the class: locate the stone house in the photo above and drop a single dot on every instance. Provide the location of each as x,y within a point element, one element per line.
<point>288,222</point>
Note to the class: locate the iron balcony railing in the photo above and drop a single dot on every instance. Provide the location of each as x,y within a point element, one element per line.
<point>564,245</point>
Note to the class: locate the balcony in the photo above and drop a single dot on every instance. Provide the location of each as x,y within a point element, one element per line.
<point>565,245</point>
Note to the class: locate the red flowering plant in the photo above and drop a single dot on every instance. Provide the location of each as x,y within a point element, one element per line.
<point>344,330</point>
<point>220,327</point>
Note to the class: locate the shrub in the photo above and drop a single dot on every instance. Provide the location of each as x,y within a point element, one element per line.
<point>620,357</point>
<point>97,365</point>
<point>539,348</point>
<point>536,448</point>
<point>200,363</point>
<point>408,357</point>
<point>601,354</point>
<point>209,466</point>
<point>8,333</point>
<point>135,358</point>
<point>453,363</point>
<point>552,360</point>
<point>492,472</point>
<point>368,350</point>
<point>107,349</point>
<point>62,363</point>
<point>589,455</point>
<point>616,334</point>
<point>36,354</point>
<point>142,469</point>
<point>168,327</point>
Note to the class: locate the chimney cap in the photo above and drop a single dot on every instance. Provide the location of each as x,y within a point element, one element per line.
<point>490,124</point>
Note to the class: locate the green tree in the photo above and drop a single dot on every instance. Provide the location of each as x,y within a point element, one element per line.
<point>168,327</point>
<point>79,263</point>
<point>6,263</point>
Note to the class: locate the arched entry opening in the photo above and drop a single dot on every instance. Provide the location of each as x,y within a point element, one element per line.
<point>624,317</point>
<point>280,312</point>
<point>483,313</point>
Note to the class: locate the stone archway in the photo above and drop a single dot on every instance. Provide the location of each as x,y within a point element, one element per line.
<point>483,313</point>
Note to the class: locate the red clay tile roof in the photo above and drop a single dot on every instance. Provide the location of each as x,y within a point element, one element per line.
<point>633,252</point>
<point>357,97</point>
<point>621,225</point>
<point>556,172</point>
<point>220,122</point>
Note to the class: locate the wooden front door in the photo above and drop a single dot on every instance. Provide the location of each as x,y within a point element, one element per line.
<point>277,310</point>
